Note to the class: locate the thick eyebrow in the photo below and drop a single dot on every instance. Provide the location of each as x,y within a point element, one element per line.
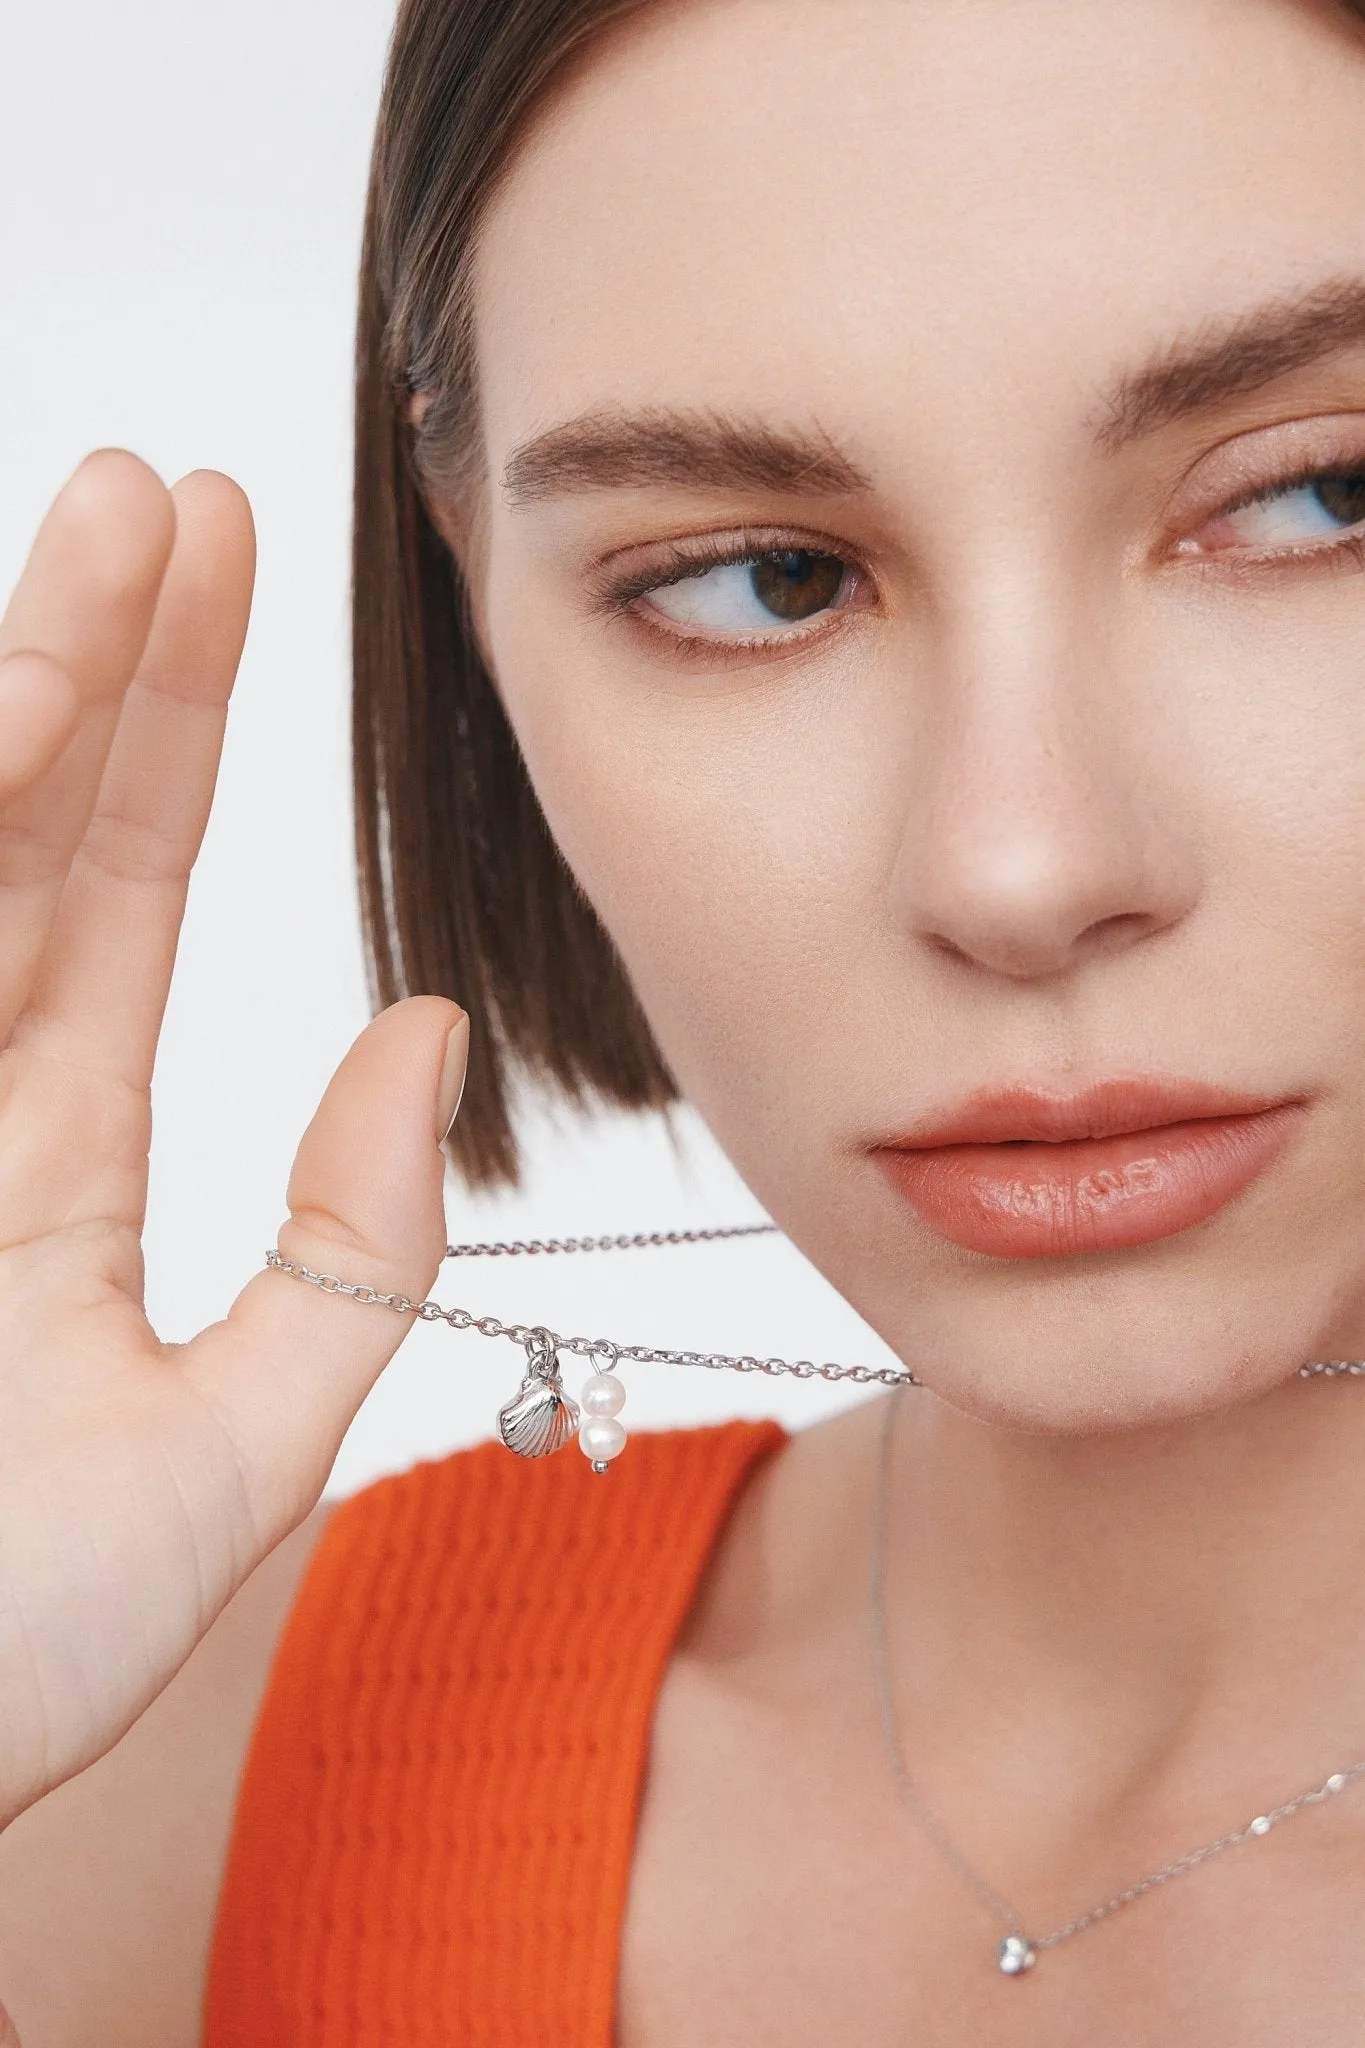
<point>611,448</point>
<point>1252,350</point>
<point>661,445</point>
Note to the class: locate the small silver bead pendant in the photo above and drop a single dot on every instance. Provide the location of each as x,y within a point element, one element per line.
<point>1015,1955</point>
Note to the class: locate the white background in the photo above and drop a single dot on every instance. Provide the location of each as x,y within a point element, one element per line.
<point>178,240</point>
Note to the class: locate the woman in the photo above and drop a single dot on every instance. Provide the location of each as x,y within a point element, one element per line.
<point>904,466</point>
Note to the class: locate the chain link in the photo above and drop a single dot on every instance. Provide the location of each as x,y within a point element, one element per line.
<point>593,1348</point>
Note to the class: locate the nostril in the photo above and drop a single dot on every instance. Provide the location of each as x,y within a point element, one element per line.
<point>949,948</point>
<point>1120,930</point>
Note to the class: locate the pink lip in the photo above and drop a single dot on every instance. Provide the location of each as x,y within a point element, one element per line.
<point>1020,1174</point>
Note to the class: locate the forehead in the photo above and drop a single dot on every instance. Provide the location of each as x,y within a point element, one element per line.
<point>822,205</point>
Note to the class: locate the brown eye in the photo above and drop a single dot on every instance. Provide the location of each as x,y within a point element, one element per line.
<point>753,596</point>
<point>797,583</point>
<point>1343,495</point>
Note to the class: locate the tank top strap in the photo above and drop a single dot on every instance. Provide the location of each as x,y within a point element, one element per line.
<point>437,1814</point>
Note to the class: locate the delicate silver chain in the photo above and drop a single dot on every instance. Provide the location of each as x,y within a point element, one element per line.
<point>637,1241</point>
<point>1032,1945</point>
<point>641,1354</point>
<point>592,1348</point>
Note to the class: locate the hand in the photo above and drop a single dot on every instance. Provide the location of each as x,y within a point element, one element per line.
<point>141,1482</point>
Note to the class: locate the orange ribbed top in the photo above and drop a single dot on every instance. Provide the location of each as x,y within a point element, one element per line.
<point>437,1816</point>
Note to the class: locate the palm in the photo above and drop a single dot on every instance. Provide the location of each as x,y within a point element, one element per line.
<point>139,1482</point>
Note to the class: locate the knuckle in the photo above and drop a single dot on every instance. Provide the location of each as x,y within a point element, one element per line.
<point>319,1237</point>
<point>28,858</point>
<point>134,850</point>
<point>323,1226</point>
<point>31,657</point>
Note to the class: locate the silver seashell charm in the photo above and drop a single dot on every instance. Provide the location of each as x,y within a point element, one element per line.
<point>540,1417</point>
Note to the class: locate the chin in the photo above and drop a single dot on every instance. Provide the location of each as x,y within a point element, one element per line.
<point>1112,1341</point>
<point>1099,1373</point>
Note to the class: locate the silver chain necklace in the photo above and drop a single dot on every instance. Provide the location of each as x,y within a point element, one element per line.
<point>534,1338</point>
<point>541,1418</point>
<point>531,1337</point>
<point>1018,1952</point>
<point>542,1345</point>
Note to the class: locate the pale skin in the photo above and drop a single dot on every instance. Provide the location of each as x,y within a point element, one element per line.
<point>1069,784</point>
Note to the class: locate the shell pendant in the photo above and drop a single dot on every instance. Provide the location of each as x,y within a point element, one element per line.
<point>540,1417</point>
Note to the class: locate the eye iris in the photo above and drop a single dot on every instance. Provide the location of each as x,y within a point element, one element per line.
<point>1343,495</point>
<point>797,583</point>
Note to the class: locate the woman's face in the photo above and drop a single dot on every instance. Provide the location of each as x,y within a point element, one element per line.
<point>924,563</point>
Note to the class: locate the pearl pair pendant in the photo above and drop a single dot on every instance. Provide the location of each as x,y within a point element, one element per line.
<point>600,1436</point>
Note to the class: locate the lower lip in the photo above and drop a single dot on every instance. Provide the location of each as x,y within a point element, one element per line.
<point>1046,1201</point>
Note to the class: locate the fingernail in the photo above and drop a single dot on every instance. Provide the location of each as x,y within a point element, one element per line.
<point>452,1079</point>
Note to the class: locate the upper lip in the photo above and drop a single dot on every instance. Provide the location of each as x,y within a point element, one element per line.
<point>1107,1109</point>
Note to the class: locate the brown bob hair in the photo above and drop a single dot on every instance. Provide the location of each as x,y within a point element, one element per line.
<point>463,891</point>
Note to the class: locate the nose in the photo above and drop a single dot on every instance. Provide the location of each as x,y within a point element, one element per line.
<point>1043,831</point>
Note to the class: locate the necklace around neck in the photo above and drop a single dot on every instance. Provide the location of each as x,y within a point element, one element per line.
<point>1018,1952</point>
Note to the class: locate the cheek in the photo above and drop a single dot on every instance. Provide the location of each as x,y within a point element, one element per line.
<point>1276,735</point>
<point>734,841</point>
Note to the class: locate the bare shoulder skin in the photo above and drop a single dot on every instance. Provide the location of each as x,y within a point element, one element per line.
<point>108,1887</point>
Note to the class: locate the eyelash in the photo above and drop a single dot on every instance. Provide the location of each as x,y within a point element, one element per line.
<point>1343,554</point>
<point>695,557</point>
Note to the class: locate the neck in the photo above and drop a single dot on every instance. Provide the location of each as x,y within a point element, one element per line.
<point>1192,1591</point>
<point>1100,1649</point>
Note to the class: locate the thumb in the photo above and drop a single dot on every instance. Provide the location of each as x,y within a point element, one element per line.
<point>290,1365</point>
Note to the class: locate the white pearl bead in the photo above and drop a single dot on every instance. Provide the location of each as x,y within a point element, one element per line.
<point>603,1394</point>
<point>602,1436</point>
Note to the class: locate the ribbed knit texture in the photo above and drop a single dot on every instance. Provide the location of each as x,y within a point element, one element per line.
<point>437,1816</point>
